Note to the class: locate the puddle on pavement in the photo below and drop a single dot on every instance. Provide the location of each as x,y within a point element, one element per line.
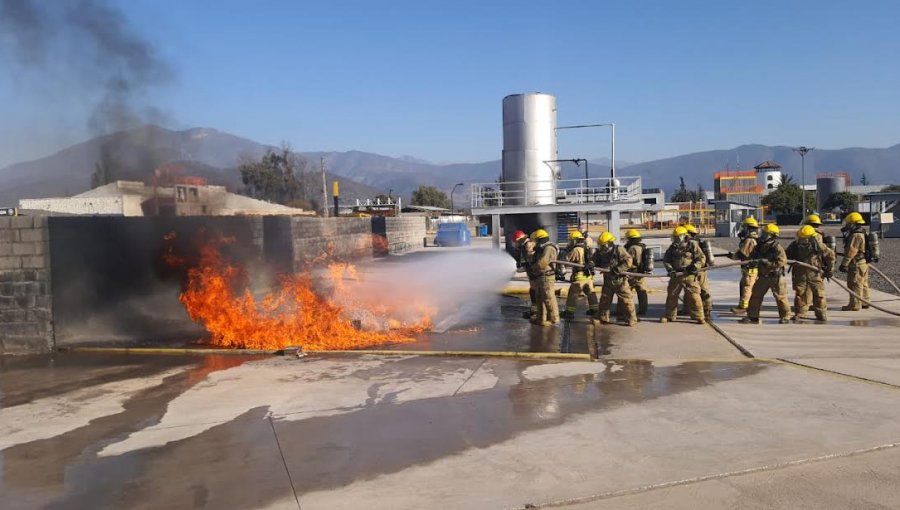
<point>237,464</point>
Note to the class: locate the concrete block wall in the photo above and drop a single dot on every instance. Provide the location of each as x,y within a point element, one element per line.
<point>26,304</point>
<point>404,233</point>
<point>329,238</point>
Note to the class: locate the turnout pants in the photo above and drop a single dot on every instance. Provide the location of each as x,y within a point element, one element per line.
<point>691,287</point>
<point>547,307</point>
<point>616,287</point>
<point>748,278</point>
<point>858,282</point>
<point>583,286</point>
<point>809,290</point>
<point>763,285</point>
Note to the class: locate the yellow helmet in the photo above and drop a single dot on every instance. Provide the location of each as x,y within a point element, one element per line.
<point>751,222</point>
<point>606,238</point>
<point>772,229</point>
<point>539,234</point>
<point>854,217</point>
<point>575,235</point>
<point>690,228</point>
<point>814,220</point>
<point>633,234</point>
<point>806,231</point>
<point>679,231</point>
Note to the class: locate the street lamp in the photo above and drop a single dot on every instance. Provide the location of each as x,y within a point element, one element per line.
<point>802,151</point>
<point>458,184</point>
<point>612,154</point>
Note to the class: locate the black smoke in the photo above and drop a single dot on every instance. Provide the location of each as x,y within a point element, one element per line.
<point>87,48</point>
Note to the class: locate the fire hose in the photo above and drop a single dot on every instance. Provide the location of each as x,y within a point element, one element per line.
<point>839,283</point>
<point>880,273</point>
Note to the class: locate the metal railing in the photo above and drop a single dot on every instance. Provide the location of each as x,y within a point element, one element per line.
<point>567,191</point>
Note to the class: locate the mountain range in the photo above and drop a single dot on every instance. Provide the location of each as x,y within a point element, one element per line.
<point>215,155</point>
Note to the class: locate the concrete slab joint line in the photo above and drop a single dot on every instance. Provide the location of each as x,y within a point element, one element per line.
<point>284,462</point>
<point>717,476</point>
<point>833,372</point>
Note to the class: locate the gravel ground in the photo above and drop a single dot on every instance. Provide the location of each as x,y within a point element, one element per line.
<point>889,263</point>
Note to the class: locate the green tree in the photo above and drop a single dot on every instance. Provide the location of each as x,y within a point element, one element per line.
<point>277,177</point>
<point>430,196</point>
<point>682,194</point>
<point>788,198</point>
<point>844,201</point>
<point>864,180</point>
<point>891,188</point>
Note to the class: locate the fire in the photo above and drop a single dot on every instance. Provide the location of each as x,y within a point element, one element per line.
<point>295,313</point>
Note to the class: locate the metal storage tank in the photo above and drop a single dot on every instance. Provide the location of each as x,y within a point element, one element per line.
<point>529,142</point>
<point>825,186</point>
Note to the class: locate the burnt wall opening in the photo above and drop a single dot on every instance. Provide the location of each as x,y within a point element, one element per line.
<point>111,283</point>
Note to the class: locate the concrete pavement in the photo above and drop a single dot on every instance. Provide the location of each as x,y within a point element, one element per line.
<point>669,416</point>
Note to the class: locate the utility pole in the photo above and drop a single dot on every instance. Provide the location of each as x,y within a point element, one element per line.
<point>802,151</point>
<point>324,188</point>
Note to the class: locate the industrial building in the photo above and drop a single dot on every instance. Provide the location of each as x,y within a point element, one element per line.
<point>530,193</point>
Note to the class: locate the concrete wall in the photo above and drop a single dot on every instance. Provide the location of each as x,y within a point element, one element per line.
<point>110,284</point>
<point>26,306</point>
<point>404,233</point>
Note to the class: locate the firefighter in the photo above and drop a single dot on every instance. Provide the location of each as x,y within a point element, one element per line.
<point>582,278</point>
<point>637,250</point>
<point>544,270</point>
<point>617,261</point>
<point>524,251</point>
<point>683,260</point>
<point>809,249</point>
<point>815,222</point>
<point>702,276</point>
<point>749,239</point>
<point>854,262</point>
<point>772,262</point>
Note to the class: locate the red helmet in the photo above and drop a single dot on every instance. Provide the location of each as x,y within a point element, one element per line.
<point>518,234</point>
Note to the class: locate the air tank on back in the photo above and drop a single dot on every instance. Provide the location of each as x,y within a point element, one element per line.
<point>825,186</point>
<point>529,151</point>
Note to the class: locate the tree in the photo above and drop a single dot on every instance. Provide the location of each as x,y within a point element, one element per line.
<point>864,180</point>
<point>430,196</point>
<point>891,188</point>
<point>843,201</point>
<point>788,198</point>
<point>682,194</point>
<point>277,177</point>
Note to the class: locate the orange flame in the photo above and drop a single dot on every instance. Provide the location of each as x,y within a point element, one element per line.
<point>294,314</point>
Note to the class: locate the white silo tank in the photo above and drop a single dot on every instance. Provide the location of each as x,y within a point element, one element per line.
<point>529,146</point>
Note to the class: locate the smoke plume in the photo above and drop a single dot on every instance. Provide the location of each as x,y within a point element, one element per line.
<point>86,49</point>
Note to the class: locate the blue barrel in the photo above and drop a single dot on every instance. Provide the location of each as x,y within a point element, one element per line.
<point>482,230</point>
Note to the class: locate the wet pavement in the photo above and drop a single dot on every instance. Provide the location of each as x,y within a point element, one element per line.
<point>667,416</point>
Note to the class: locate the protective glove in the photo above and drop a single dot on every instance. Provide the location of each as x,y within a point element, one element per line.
<point>672,274</point>
<point>843,268</point>
<point>730,254</point>
<point>589,269</point>
<point>690,270</point>
<point>614,272</point>
<point>828,273</point>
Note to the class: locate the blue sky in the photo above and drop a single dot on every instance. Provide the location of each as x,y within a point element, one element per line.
<point>426,78</point>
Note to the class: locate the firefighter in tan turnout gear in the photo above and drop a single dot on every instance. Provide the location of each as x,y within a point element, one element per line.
<point>702,276</point>
<point>639,253</point>
<point>854,262</point>
<point>582,278</point>
<point>683,260</point>
<point>772,262</point>
<point>809,284</point>
<point>749,239</point>
<point>524,251</point>
<point>543,267</point>
<point>617,261</point>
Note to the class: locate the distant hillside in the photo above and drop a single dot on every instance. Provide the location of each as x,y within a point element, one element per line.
<point>134,154</point>
<point>881,166</point>
<point>215,155</point>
